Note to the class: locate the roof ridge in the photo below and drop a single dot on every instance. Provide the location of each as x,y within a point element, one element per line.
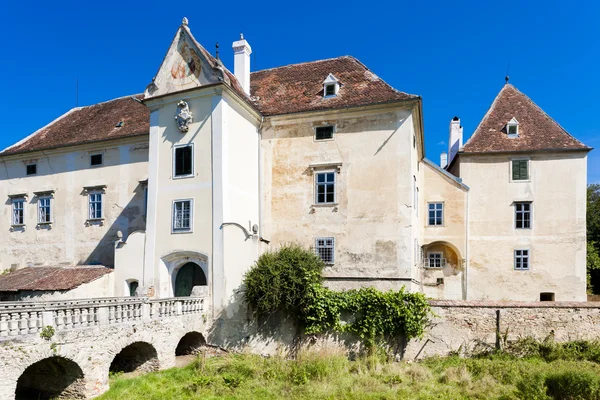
<point>306,62</point>
<point>131,96</point>
<point>487,113</point>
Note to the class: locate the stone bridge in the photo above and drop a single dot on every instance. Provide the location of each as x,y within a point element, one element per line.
<point>66,349</point>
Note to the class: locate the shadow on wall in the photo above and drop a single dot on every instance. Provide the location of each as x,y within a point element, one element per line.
<point>50,378</point>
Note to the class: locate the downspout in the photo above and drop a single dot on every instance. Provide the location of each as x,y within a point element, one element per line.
<point>467,249</point>
<point>260,188</point>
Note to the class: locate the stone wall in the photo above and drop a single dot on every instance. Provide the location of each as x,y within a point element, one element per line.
<point>460,326</point>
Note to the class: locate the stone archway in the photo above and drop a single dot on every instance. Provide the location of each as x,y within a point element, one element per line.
<point>190,343</point>
<point>138,356</point>
<point>189,275</point>
<point>51,378</point>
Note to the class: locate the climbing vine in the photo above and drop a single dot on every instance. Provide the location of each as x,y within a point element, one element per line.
<point>290,279</point>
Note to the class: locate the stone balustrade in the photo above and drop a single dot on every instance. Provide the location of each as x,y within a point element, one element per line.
<point>23,318</point>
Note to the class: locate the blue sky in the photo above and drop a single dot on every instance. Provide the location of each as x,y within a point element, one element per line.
<point>454,54</point>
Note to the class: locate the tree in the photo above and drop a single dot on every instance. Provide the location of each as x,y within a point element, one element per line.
<point>593,238</point>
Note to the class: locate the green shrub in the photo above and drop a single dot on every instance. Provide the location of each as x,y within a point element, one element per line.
<point>573,385</point>
<point>532,387</point>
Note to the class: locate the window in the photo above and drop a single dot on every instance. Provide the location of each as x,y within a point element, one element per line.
<point>330,89</point>
<point>436,214</point>
<point>546,296</point>
<point>521,259</point>
<point>95,205</point>
<point>512,128</point>
<point>520,170</point>
<point>323,132</point>
<point>44,215</point>
<point>31,169</point>
<point>324,248</point>
<point>182,216</point>
<point>96,159</point>
<point>18,211</point>
<point>183,162</point>
<point>523,215</point>
<point>325,187</point>
<point>435,260</point>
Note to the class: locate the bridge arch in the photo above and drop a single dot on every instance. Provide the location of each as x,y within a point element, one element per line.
<point>190,343</point>
<point>51,377</point>
<point>138,356</point>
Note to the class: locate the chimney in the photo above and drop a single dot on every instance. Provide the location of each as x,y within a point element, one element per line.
<point>241,62</point>
<point>443,159</point>
<point>455,139</point>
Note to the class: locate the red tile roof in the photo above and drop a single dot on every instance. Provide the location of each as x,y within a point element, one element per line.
<point>537,131</point>
<point>50,278</point>
<point>299,87</point>
<point>89,124</point>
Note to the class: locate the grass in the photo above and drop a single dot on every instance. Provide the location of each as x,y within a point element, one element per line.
<point>531,370</point>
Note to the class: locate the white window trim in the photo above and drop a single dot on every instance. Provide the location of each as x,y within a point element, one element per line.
<point>89,203</point>
<point>335,188</point>
<point>443,212</point>
<point>515,123</point>
<point>96,154</point>
<point>530,214</point>
<point>528,259</point>
<point>50,206</point>
<point>441,258</point>
<point>324,126</point>
<point>333,81</point>
<point>510,169</point>
<point>191,228</point>
<point>174,161</point>
<point>12,209</point>
<point>332,249</point>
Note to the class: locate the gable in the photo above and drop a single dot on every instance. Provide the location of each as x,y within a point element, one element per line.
<point>537,130</point>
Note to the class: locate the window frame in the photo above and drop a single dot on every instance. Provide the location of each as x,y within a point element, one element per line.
<point>175,147</point>
<point>527,257</point>
<point>27,169</point>
<point>39,208</point>
<point>513,123</point>
<point>333,132</point>
<point>316,187</point>
<point>516,213</point>
<point>13,201</point>
<point>92,193</point>
<point>190,229</point>
<point>429,204</point>
<point>92,155</point>
<point>440,259</point>
<point>325,89</point>
<point>511,169</point>
<point>325,246</point>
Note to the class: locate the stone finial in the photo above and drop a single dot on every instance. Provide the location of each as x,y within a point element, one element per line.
<point>241,36</point>
<point>184,21</point>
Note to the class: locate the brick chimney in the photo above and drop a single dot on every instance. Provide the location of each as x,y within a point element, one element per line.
<point>455,138</point>
<point>241,62</point>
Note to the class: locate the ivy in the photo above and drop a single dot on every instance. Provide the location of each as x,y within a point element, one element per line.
<point>290,280</point>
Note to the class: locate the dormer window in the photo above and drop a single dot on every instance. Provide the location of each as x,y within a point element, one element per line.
<point>331,86</point>
<point>512,128</point>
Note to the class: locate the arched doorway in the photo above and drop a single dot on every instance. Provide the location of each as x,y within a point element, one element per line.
<point>188,276</point>
<point>50,378</point>
<point>138,356</point>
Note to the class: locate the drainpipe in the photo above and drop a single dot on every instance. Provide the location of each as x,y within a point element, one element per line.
<point>467,248</point>
<point>260,188</point>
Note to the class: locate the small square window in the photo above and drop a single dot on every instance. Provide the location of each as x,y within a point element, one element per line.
<point>523,215</point>
<point>520,170</point>
<point>325,187</point>
<point>513,130</point>
<point>330,90</point>
<point>324,132</point>
<point>324,248</point>
<point>521,259</point>
<point>96,159</point>
<point>182,216</point>
<point>435,260</point>
<point>436,214</point>
<point>32,169</point>
<point>18,211</point>
<point>183,161</point>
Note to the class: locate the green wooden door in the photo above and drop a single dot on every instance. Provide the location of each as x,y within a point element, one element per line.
<point>188,276</point>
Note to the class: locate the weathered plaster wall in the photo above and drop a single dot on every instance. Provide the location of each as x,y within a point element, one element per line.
<point>70,240</point>
<point>463,326</point>
<point>449,238</point>
<point>556,240</point>
<point>129,263</point>
<point>372,218</point>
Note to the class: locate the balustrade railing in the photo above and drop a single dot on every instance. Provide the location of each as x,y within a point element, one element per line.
<point>22,318</point>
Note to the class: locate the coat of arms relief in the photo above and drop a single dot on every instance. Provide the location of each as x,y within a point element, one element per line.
<point>183,116</point>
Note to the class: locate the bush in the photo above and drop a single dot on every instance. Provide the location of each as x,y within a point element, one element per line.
<point>573,385</point>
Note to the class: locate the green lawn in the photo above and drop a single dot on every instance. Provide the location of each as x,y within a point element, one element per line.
<point>332,376</point>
